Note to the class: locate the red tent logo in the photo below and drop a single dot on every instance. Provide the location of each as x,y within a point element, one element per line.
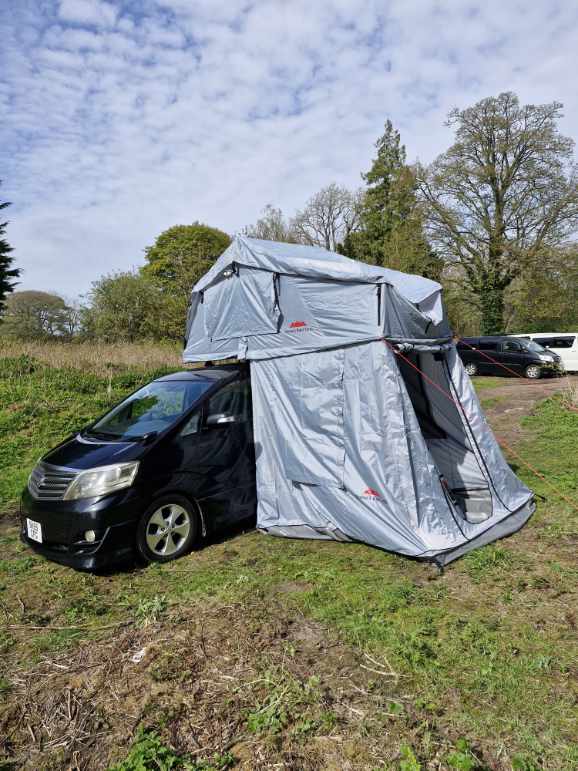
<point>297,324</point>
<point>371,493</point>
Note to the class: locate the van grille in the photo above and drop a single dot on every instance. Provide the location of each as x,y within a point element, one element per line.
<point>50,483</point>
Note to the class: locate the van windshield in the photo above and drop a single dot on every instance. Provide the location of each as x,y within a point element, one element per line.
<point>151,409</point>
<point>530,345</point>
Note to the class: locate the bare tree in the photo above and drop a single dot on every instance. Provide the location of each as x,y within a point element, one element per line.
<point>329,217</point>
<point>272,226</point>
<point>71,318</point>
<point>504,193</point>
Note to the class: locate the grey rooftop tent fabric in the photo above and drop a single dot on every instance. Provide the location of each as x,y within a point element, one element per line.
<point>354,441</point>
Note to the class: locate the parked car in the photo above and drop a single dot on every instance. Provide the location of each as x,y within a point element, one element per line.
<point>498,354</point>
<point>564,344</point>
<point>173,461</point>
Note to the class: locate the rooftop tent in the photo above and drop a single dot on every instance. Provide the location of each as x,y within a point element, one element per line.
<point>353,441</point>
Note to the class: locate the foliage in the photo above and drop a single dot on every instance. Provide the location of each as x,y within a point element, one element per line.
<point>545,297</point>
<point>500,197</point>
<point>34,315</point>
<point>149,753</point>
<point>462,758</point>
<point>175,262</point>
<point>123,307</point>
<point>7,272</point>
<point>408,760</point>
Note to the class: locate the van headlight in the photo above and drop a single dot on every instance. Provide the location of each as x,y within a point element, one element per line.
<point>546,357</point>
<point>102,480</point>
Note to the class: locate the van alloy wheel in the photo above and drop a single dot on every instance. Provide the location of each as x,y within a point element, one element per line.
<point>471,369</point>
<point>166,530</point>
<point>534,371</point>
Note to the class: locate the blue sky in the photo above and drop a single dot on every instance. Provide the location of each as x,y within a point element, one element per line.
<point>121,118</point>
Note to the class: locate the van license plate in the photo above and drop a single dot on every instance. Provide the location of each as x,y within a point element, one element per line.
<point>34,530</point>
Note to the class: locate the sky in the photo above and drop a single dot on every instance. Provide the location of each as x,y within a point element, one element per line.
<point>120,118</point>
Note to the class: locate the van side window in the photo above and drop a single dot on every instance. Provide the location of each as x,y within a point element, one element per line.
<point>555,342</point>
<point>233,400</point>
<point>511,345</point>
<point>488,345</point>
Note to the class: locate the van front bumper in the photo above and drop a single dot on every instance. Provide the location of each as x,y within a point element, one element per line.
<point>113,520</point>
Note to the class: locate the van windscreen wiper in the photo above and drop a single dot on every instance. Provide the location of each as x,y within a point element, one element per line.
<point>88,432</point>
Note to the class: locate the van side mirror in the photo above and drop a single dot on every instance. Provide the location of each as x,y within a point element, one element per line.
<point>220,419</point>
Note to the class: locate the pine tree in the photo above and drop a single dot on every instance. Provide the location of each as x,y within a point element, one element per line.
<point>7,272</point>
<point>391,232</point>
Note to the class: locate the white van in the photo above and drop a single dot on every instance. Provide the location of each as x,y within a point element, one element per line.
<point>565,344</point>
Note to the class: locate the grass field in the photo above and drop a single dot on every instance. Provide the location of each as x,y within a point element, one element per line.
<point>254,652</point>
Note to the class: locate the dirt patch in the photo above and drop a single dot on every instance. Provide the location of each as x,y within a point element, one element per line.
<point>8,521</point>
<point>260,683</point>
<point>509,403</point>
<point>290,587</point>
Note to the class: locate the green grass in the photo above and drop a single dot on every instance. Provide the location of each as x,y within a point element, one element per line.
<point>483,656</point>
<point>553,449</point>
<point>487,383</point>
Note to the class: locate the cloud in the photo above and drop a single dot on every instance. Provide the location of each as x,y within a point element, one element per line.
<point>123,118</point>
<point>92,12</point>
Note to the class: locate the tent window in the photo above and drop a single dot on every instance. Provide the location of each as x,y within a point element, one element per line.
<point>243,303</point>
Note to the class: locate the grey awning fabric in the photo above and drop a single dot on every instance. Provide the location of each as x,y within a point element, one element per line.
<point>313,262</point>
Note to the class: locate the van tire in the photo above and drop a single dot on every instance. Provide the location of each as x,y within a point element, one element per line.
<point>167,529</point>
<point>471,369</point>
<point>533,371</point>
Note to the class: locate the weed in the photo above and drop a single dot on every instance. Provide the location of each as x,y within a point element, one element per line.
<point>149,752</point>
<point>522,763</point>
<point>462,758</point>
<point>149,609</point>
<point>408,760</point>
<point>285,700</point>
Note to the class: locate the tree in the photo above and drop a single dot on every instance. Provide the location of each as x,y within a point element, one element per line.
<point>501,197</point>
<point>123,307</point>
<point>272,226</point>
<point>7,272</point>
<point>71,320</point>
<point>391,219</point>
<point>175,262</point>
<point>545,296</point>
<point>35,315</point>
<point>329,218</point>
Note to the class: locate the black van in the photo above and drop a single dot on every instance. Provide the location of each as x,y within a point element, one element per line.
<point>502,355</point>
<point>173,461</point>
